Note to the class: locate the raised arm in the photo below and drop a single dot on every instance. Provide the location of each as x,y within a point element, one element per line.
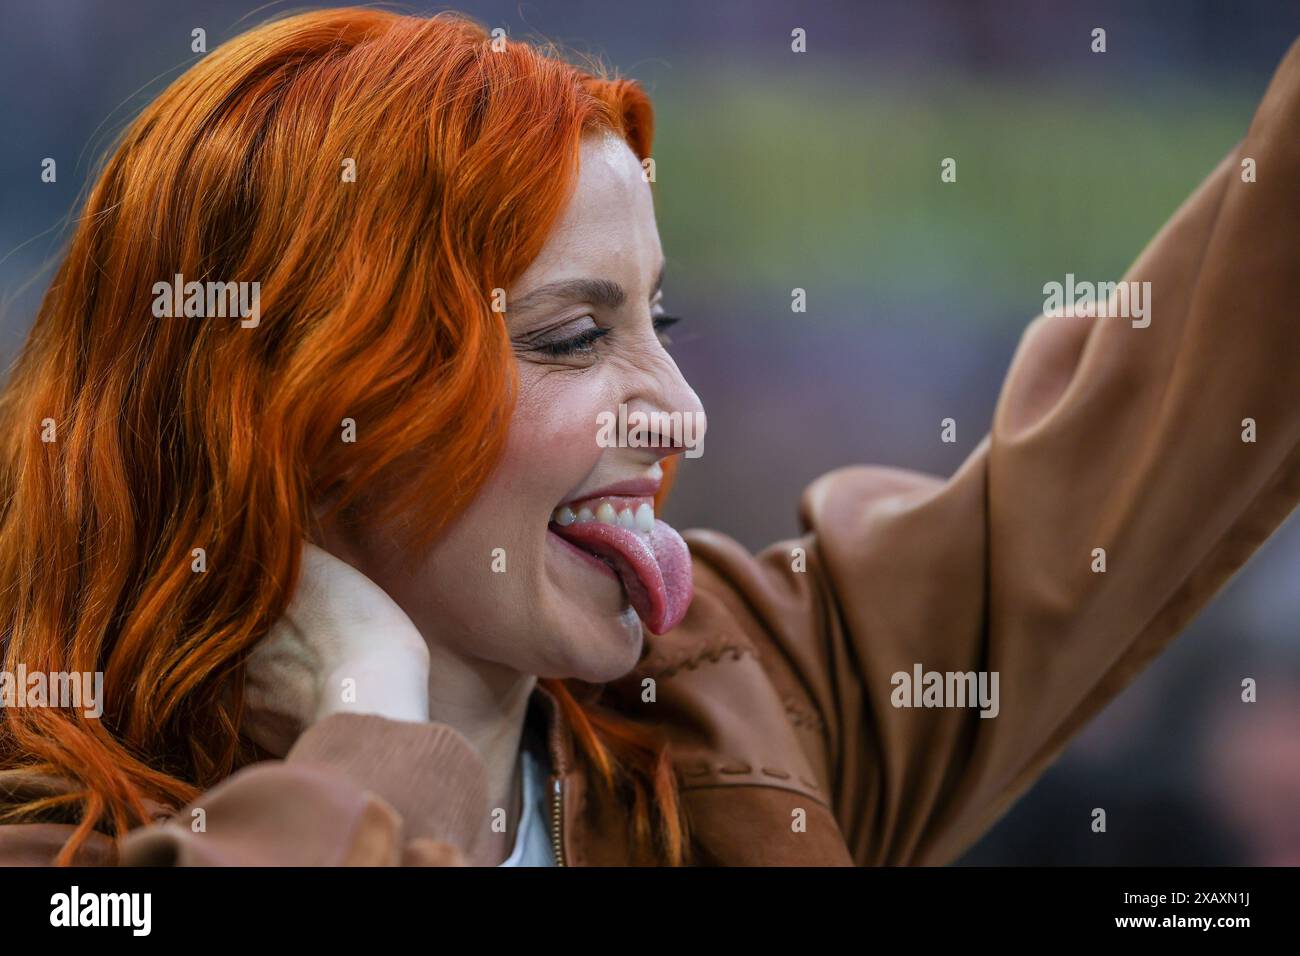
<point>1106,436</point>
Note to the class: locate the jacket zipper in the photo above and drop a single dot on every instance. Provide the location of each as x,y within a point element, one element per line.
<point>557,820</point>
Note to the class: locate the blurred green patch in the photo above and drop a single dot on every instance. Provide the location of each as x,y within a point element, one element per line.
<point>831,182</point>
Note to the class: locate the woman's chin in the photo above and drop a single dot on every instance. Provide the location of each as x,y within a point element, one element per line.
<point>603,648</point>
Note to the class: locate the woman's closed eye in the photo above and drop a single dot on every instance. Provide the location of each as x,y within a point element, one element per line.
<point>582,343</point>
<point>565,343</point>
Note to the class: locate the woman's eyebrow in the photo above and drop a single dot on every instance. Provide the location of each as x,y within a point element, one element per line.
<point>604,293</point>
<point>599,292</point>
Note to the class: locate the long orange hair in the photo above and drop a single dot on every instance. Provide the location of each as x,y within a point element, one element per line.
<point>378,175</point>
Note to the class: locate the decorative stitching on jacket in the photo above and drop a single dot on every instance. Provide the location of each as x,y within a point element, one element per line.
<point>801,717</point>
<point>712,655</point>
<point>737,767</point>
<point>703,775</point>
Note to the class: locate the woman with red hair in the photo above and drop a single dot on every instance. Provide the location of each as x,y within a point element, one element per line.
<point>368,581</point>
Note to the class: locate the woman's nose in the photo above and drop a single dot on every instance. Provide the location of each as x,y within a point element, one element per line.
<point>671,413</point>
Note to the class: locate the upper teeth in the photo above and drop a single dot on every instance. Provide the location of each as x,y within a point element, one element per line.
<point>640,518</point>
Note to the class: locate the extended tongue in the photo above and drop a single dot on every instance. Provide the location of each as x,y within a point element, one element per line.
<point>655,569</point>
<point>674,560</point>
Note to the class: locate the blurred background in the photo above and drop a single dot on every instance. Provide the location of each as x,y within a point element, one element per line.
<point>820,171</point>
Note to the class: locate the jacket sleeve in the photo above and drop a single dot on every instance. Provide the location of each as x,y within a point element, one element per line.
<point>355,789</point>
<point>1105,436</point>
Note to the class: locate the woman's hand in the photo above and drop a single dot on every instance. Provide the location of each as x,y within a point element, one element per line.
<point>343,645</point>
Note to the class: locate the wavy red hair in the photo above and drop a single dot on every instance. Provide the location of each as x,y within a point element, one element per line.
<point>173,435</point>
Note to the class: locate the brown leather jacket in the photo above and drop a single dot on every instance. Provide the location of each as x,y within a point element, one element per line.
<point>777,688</point>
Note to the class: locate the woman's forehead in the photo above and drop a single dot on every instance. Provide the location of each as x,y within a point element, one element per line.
<point>609,221</point>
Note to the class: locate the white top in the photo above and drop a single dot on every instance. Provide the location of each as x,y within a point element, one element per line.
<point>533,841</point>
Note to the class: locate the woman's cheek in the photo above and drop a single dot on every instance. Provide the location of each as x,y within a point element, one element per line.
<point>553,434</point>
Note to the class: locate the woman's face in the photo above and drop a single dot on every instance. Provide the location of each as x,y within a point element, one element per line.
<point>515,580</point>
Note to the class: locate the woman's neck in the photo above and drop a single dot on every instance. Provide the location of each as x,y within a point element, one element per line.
<point>488,705</point>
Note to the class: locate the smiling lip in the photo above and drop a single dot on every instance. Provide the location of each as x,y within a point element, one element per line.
<point>600,564</point>
<point>635,487</point>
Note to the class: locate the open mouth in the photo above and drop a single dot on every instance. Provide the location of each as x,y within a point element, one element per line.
<point>648,555</point>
